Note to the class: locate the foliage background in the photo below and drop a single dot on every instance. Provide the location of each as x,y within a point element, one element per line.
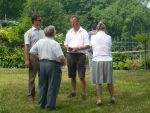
<point>126,21</point>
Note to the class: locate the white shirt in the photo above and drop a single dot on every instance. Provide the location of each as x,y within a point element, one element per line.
<point>76,39</point>
<point>33,35</point>
<point>101,45</point>
<point>47,48</point>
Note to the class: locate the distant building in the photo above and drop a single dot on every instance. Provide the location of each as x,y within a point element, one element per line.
<point>4,23</point>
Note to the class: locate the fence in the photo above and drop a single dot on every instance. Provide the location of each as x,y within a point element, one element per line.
<point>126,46</point>
<point>130,55</point>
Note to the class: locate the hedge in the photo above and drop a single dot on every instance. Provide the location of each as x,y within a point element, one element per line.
<point>12,58</point>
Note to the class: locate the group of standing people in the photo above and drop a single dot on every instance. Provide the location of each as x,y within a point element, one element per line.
<point>44,55</point>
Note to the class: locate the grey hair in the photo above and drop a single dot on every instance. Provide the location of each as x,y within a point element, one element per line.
<point>50,31</point>
<point>101,26</point>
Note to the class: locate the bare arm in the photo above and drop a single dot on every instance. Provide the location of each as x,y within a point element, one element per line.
<point>84,47</point>
<point>68,48</point>
<point>76,48</point>
<point>80,48</point>
<point>27,56</point>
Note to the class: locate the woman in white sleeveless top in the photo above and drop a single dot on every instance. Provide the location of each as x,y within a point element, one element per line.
<point>102,66</point>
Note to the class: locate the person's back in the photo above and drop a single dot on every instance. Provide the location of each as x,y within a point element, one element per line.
<point>102,65</point>
<point>51,58</point>
<point>101,44</point>
<point>48,49</point>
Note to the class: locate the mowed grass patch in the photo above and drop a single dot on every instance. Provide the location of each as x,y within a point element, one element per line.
<point>132,92</point>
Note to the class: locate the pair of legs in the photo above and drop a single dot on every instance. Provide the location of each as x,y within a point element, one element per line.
<point>33,70</point>
<point>99,90</point>
<point>90,55</point>
<point>83,85</point>
<point>102,72</point>
<point>76,62</point>
<point>49,84</point>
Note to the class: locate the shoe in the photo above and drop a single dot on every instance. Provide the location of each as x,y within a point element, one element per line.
<point>83,96</point>
<point>73,94</point>
<point>41,107</point>
<point>51,108</point>
<point>30,98</point>
<point>112,100</point>
<point>99,102</point>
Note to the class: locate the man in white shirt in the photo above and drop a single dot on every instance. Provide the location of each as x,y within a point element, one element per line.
<point>51,59</point>
<point>31,61</point>
<point>76,43</point>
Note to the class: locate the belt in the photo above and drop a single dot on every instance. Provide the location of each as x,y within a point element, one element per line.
<point>76,53</point>
<point>47,60</point>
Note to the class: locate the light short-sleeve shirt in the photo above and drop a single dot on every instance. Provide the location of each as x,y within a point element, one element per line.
<point>77,39</point>
<point>101,44</point>
<point>33,35</point>
<point>47,48</point>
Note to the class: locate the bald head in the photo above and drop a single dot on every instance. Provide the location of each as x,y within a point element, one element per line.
<point>50,31</point>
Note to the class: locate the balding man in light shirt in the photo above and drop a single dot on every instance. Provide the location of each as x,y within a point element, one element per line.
<point>51,59</point>
<point>76,43</point>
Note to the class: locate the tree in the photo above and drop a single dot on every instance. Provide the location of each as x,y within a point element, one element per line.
<point>11,8</point>
<point>12,35</point>
<point>52,12</point>
<point>145,40</point>
<point>82,8</point>
<point>124,18</point>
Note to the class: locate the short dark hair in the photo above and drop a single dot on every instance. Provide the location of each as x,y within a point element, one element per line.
<point>34,17</point>
<point>75,16</point>
<point>94,26</point>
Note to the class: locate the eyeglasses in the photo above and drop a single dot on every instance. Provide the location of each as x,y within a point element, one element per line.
<point>38,20</point>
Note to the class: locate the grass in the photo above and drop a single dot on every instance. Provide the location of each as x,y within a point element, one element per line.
<point>132,91</point>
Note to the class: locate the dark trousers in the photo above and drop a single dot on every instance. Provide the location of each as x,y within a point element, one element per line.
<point>49,83</point>
<point>33,70</point>
<point>76,62</point>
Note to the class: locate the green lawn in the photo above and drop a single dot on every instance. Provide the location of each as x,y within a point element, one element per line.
<point>132,91</point>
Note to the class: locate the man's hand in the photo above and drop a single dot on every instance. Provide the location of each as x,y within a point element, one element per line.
<point>75,49</point>
<point>69,48</point>
<point>27,63</point>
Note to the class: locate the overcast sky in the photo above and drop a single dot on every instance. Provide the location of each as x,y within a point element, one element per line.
<point>148,5</point>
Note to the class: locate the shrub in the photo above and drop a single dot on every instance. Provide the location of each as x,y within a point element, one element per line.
<point>128,61</point>
<point>134,64</point>
<point>11,58</point>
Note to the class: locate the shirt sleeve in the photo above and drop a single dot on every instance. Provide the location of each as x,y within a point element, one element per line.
<point>66,39</point>
<point>86,39</point>
<point>27,38</point>
<point>110,40</point>
<point>57,50</point>
<point>34,49</point>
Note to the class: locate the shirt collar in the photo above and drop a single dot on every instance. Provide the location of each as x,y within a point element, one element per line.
<point>49,38</point>
<point>80,30</point>
<point>35,28</point>
<point>100,32</point>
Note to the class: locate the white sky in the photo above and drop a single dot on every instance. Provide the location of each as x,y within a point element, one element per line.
<point>148,5</point>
